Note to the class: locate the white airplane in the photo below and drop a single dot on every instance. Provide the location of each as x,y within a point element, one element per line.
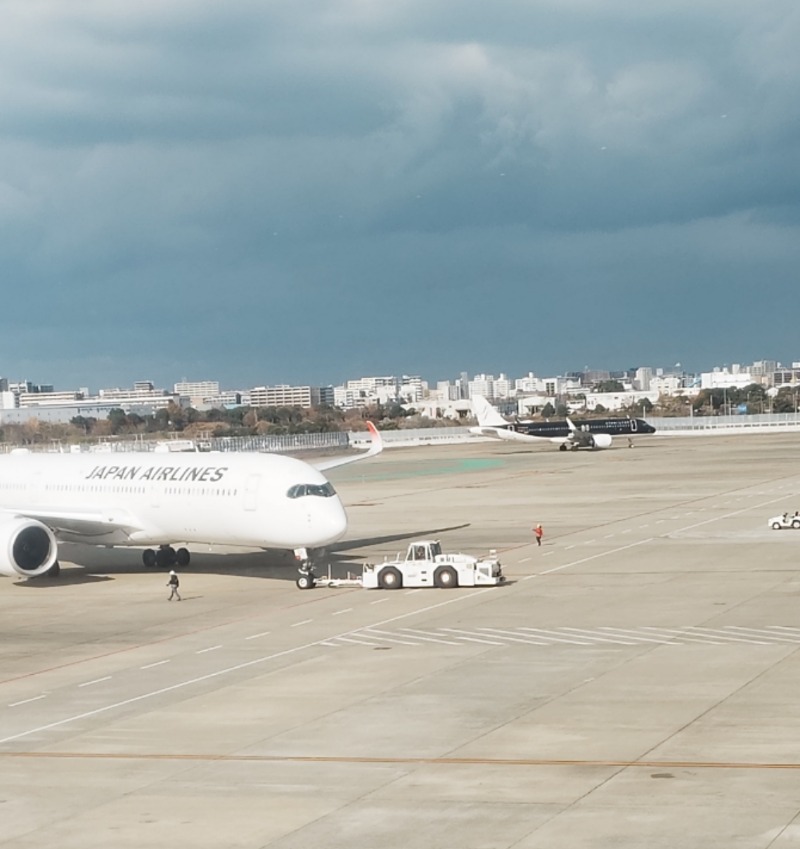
<point>114,499</point>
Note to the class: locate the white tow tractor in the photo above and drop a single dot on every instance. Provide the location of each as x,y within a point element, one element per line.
<point>425,565</point>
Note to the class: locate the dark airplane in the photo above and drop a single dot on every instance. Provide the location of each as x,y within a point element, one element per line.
<point>568,435</point>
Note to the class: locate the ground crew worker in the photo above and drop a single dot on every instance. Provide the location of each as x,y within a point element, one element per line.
<point>538,532</point>
<point>173,584</point>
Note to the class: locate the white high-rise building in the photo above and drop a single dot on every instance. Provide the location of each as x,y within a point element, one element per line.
<point>284,396</point>
<point>482,384</point>
<point>643,377</point>
<point>197,388</point>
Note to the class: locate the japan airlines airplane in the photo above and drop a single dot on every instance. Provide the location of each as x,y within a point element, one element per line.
<point>243,499</point>
<point>592,433</point>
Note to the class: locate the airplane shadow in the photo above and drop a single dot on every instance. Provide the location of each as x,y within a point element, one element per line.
<point>67,577</point>
<point>101,564</point>
<point>347,544</point>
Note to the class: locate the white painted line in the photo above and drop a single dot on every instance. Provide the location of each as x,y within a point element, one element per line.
<point>379,601</point>
<point>340,612</point>
<point>589,542</point>
<point>381,635</point>
<point>608,536</point>
<point>352,640</point>
<point>524,560</point>
<point>554,636</point>
<point>210,648</point>
<point>418,590</point>
<point>467,638</point>
<point>513,636</point>
<point>227,670</point>
<point>96,681</point>
<point>715,632</point>
<point>789,638</point>
<point>151,665</point>
<point>256,636</point>
<point>428,637</point>
<point>28,701</point>
<point>528,577</point>
<point>626,531</point>
<point>682,635</point>
<point>568,547</point>
<point>596,556</point>
<point>548,553</point>
<point>636,635</point>
<point>303,622</point>
<point>581,632</point>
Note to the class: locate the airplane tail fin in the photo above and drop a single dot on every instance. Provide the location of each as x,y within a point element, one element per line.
<point>486,414</point>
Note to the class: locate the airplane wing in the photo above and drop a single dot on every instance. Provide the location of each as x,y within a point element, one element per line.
<point>375,448</point>
<point>84,524</point>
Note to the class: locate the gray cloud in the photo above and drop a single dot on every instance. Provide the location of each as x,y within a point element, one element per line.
<point>274,192</point>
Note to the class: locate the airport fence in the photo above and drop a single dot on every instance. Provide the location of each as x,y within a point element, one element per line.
<point>299,442</point>
<point>288,443</point>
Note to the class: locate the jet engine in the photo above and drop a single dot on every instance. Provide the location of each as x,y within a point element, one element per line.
<point>600,440</point>
<point>27,547</point>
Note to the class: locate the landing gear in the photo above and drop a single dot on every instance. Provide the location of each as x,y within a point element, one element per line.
<point>165,557</point>
<point>54,571</point>
<point>306,579</point>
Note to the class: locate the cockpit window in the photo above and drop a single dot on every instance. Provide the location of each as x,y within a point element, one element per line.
<point>323,490</point>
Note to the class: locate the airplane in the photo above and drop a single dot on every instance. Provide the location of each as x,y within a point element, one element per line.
<point>244,499</point>
<point>568,435</point>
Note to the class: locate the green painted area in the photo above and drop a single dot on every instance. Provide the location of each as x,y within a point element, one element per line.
<point>376,471</point>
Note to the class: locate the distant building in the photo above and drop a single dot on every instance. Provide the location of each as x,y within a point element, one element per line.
<point>482,384</point>
<point>667,384</point>
<point>786,376</point>
<point>724,379</point>
<point>412,389</point>
<point>48,399</point>
<point>284,395</point>
<point>197,390</point>
<point>366,391</point>
<point>526,385</point>
<point>642,378</point>
<point>503,387</point>
<point>614,401</point>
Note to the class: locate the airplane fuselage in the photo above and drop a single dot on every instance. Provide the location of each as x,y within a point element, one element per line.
<point>260,500</point>
<point>561,430</point>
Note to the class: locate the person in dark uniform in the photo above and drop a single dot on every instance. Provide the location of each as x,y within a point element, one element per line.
<point>173,584</point>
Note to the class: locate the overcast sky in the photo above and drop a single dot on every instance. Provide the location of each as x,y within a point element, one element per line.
<point>270,191</point>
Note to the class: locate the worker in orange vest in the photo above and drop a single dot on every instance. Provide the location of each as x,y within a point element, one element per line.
<point>538,532</point>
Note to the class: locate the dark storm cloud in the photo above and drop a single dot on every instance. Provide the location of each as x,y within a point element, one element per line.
<point>280,191</point>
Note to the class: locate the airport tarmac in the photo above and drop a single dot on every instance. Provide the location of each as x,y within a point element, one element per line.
<point>634,684</point>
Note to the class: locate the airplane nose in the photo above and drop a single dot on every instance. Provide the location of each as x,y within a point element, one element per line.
<point>331,524</point>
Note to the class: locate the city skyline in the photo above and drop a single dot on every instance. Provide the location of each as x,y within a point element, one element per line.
<point>304,192</point>
<point>172,385</point>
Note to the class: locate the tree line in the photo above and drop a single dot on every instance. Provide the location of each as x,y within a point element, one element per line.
<point>197,424</point>
<point>285,420</point>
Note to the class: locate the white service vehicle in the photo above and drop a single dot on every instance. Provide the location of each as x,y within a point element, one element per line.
<point>779,523</point>
<point>425,565</point>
